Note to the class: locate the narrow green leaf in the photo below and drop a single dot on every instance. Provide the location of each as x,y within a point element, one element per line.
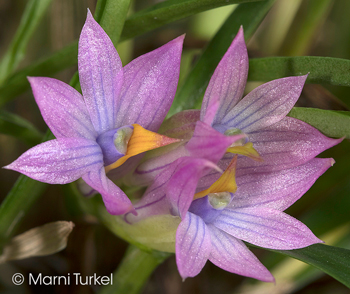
<point>332,123</point>
<point>47,67</point>
<point>249,15</point>
<point>134,26</point>
<point>169,11</point>
<point>328,70</point>
<point>31,17</point>
<point>331,260</point>
<point>14,125</point>
<point>302,33</point>
<point>134,271</point>
<point>112,17</point>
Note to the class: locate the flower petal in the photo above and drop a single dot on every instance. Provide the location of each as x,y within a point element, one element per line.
<point>285,144</point>
<point>100,73</point>
<point>182,185</point>
<point>114,198</point>
<point>208,143</point>
<point>62,108</point>
<point>150,85</point>
<point>193,245</point>
<point>181,125</point>
<point>232,255</point>
<point>265,105</point>
<point>147,171</point>
<point>265,227</point>
<point>280,189</point>
<point>227,84</point>
<point>59,161</point>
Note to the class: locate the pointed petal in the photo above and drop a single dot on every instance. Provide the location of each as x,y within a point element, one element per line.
<point>193,245</point>
<point>208,143</point>
<point>285,144</point>
<point>62,108</point>
<point>150,86</point>
<point>183,183</point>
<point>147,171</point>
<point>181,125</point>
<point>280,189</point>
<point>232,255</point>
<point>265,227</point>
<point>100,73</point>
<point>114,198</point>
<point>154,200</point>
<point>59,161</point>
<point>265,105</point>
<point>141,141</point>
<point>228,81</point>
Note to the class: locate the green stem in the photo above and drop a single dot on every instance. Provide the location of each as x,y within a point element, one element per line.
<point>134,271</point>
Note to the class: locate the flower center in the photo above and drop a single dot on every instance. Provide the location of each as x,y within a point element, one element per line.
<point>114,143</point>
<point>234,132</point>
<point>211,206</point>
<point>219,200</point>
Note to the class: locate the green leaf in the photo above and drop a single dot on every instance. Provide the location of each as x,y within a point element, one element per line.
<point>134,26</point>
<point>18,82</point>
<point>111,15</point>
<point>31,17</point>
<point>302,33</point>
<point>169,11</point>
<point>332,123</point>
<point>332,260</point>
<point>249,15</point>
<point>14,125</point>
<point>328,70</point>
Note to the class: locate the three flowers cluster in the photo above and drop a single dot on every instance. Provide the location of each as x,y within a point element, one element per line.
<point>228,172</point>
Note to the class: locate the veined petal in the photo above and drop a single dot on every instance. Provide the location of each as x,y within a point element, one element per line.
<point>227,84</point>
<point>265,105</point>
<point>183,183</point>
<point>147,171</point>
<point>62,108</point>
<point>59,161</point>
<point>265,227</point>
<point>154,200</point>
<point>208,143</point>
<point>193,245</point>
<point>232,255</point>
<point>285,144</point>
<point>181,125</point>
<point>149,87</point>
<point>100,73</point>
<point>141,141</point>
<point>280,189</point>
<point>114,198</point>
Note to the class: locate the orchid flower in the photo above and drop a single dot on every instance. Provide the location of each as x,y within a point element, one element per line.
<point>274,167</point>
<point>273,140</point>
<point>113,120</point>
